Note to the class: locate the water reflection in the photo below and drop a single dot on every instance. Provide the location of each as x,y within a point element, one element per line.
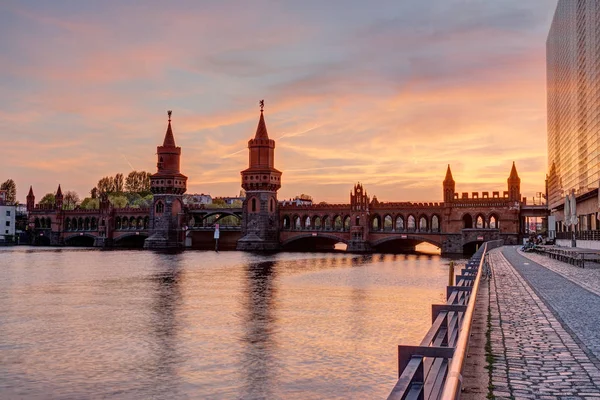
<point>258,360</point>
<point>165,325</point>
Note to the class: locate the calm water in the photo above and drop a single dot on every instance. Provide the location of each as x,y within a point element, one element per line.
<point>132,324</point>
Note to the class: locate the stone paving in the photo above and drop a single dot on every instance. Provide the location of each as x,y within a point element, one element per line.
<point>534,356</point>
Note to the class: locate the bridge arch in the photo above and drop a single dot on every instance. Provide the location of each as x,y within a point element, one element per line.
<point>480,221</point>
<point>347,223</point>
<point>375,222</point>
<point>388,223</point>
<point>435,223</point>
<point>80,239</point>
<point>314,242</point>
<point>494,221</point>
<point>130,240</point>
<point>423,223</point>
<point>399,224</point>
<point>410,241</point>
<point>286,223</point>
<point>411,223</point>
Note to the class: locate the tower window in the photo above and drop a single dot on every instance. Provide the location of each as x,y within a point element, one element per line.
<point>160,207</point>
<point>253,205</point>
<point>272,205</point>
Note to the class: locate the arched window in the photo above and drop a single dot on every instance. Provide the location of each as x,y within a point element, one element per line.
<point>347,223</point>
<point>357,221</point>
<point>435,224</point>
<point>399,223</point>
<point>48,223</point>
<point>67,224</point>
<point>467,221</point>
<point>423,224</point>
<point>307,223</point>
<point>375,223</point>
<point>411,224</point>
<point>479,222</point>
<point>253,205</point>
<point>297,223</point>
<point>147,222</point>
<point>132,223</point>
<point>388,225</point>
<point>37,223</point>
<point>317,223</point>
<point>86,225</point>
<point>286,222</point>
<point>493,222</point>
<point>160,207</point>
<point>327,222</point>
<point>118,223</point>
<point>337,223</point>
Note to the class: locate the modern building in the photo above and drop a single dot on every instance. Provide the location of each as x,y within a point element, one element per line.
<point>573,90</point>
<point>7,220</point>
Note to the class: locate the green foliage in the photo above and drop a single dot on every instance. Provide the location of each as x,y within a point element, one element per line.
<point>90,204</point>
<point>118,200</point>
<point>11,191</point>
<point>48,198</point>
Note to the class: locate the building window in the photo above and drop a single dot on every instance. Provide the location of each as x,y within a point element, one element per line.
<point>253,205</point>
<point>8,213</point>
<point>7,223</point>
<point>160,207</point>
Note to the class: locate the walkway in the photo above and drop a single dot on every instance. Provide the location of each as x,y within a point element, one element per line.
<point>545,341</point>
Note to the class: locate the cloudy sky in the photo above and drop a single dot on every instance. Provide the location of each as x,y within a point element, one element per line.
<point>382,92</point>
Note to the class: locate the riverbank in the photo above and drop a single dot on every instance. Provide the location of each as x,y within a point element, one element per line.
<point>543,339</point>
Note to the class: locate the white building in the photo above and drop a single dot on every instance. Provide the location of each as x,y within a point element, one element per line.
<point>7,222</point>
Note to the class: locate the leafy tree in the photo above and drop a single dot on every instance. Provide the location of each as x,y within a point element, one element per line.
<point>118,183</point>
<point>49,198</point>
<point>106,185</point>
<point>118,200</point>
<point>237,204</point>
<point>11,191</point>
<point>138,182</point>
<point>70,200</point>
<point>90,203</point>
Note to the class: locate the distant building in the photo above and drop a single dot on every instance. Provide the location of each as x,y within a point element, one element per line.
<point>573,90</point>
<point>3,196</point>
<point>302,200</point>
<point>197,199</point>
<point>7,222</point>
<point>232,200</point>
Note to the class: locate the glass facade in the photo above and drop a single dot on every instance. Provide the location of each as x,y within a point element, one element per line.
<point>573,84</point>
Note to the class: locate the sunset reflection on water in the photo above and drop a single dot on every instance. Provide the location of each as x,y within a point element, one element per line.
<point>133,324</point>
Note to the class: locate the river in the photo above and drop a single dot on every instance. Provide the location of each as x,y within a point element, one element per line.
<point>78,323</point>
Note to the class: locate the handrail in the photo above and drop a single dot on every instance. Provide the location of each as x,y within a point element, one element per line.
<point>455,371</point>
<point>434,369</point>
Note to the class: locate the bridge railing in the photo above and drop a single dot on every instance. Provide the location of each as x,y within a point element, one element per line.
<point>433,370</point>
<point>580,235</point>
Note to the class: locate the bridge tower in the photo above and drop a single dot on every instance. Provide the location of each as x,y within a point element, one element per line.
<point>359,220</point>
<point>30,199</point>
<point>168,185</point>
<point>58,198</point>
<point>514,185</point>
<point>261,181</point>
<point>449,187</point>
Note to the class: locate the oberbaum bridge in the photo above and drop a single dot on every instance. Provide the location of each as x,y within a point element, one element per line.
<point>456,225</point>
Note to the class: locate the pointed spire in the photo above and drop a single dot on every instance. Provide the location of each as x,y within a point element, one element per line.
<point>30,194</point>
<point>169,138</point>
<point>513,172</point>
<point>448,175</point>
<point>59,192</point>
<point>261,129</point>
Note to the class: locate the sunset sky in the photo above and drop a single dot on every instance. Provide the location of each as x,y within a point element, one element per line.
<point>382,92</point>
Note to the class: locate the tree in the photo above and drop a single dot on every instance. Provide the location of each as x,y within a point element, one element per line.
<point>118,183</point>
<point>11,191</point>
<point>106,185</point>
<point>48,198</point>
<point>138,182</point>
<point>117,200</point>
<point>90,203</point>
<point>70,200</point>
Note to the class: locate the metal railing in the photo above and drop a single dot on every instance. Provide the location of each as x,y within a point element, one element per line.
<point>433,370</point>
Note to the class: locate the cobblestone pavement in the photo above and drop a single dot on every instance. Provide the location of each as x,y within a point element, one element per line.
<point>534,356</point>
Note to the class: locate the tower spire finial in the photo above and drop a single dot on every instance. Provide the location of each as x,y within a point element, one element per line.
<point>262,105</point>
<point>169,112</point>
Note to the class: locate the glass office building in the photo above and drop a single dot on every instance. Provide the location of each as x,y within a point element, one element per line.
<point>573,85</point>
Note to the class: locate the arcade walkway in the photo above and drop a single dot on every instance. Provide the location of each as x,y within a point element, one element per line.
<point>545,327</point>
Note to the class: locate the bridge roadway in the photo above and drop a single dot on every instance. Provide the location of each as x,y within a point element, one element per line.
<point>545,336</point>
